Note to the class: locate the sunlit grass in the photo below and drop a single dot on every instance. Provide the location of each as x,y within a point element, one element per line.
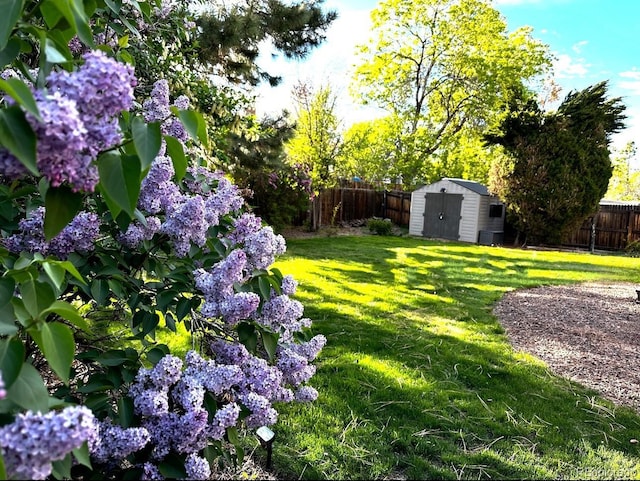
<point>418,379</point>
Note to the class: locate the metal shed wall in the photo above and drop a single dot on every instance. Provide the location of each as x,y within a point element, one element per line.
<point>474,211</point>
<point>468,228</point>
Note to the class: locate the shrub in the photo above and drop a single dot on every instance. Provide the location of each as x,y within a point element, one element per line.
<point>380,226</point>
<point>633,249</point>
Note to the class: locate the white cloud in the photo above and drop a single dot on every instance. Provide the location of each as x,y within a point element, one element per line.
<point>566,66</point>
<point>577,48</point>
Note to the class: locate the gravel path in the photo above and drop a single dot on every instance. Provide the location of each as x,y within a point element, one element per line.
<point>588,333</point>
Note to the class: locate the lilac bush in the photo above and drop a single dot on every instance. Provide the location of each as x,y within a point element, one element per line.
<point>114,209</point>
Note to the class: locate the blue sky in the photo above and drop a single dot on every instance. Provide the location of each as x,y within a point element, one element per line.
<point>592,40</point>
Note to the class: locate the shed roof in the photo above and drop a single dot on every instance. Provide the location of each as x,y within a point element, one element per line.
<point>476,187</point>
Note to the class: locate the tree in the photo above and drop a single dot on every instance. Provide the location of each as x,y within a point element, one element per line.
<point>369,151</point>
<point>232,37</point>
<point>558,167</point>
<point>441,66</point>
<point>316,141</point>
<point>625,182</point>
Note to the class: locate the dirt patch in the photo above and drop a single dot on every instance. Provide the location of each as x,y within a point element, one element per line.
<point>588,333</point>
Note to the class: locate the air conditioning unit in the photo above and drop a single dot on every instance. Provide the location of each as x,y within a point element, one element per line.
<point>490,237</point>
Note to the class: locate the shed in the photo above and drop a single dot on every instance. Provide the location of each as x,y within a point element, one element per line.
<point>457,209</point>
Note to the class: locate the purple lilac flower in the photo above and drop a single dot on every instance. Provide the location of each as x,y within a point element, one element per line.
<point>166,372</point>
<point>225,199</point>
<point>311,348</point>
<point>197,467</point>
<point>62,139</point>
<point>188,393</point>
<point>33,441</point>
<point>186,225</point>
<point>158,193</point>
<point>150,471</point>
<point>150,402</point>
<point>185,433</point>
<point>10,166</point>
<point>239,306</point>
<point>224,418</point>
<point>79,236</point>
<point>295,368</point>
<point>137,233</point>
<point>289,285</point>
<point>262,247</point>
<point>214,377</point>
<point>280,312</point>
<point>203,179</point>
<point>244,226</point>
<point>116,443</point>
<point>217,284</point>
<point>262,414</point>
<point>102,87</point>
<point>156,107</point>
<point>306,394</point>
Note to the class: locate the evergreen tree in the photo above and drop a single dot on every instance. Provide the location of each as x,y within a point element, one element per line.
<point>559,166</point>
<point>231,37</point>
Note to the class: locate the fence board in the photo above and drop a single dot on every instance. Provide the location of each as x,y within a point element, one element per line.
<point>616,226</point>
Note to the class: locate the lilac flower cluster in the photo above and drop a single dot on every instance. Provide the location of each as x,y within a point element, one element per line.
<point>31,442</point>
<point>78,119</point>
<point>137,233</point>
<point>187,216</point>
<point>220,300</point>
<point>78,236</point>
<point>157,109</point>
<point>113,443</point>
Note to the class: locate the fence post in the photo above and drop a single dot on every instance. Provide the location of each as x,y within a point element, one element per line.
<point>592,241</point>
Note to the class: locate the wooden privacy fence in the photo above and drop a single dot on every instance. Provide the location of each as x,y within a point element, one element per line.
<point>348,204</point>
<point>613,227</point>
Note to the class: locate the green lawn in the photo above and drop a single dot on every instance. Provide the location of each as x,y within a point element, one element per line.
<point>418,380</point>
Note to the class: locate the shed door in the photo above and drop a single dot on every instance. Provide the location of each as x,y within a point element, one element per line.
<point>442,215</point>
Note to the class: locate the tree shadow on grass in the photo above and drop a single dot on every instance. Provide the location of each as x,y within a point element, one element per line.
<point>425,383</point>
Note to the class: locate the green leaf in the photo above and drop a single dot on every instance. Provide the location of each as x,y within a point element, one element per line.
<point>68,312</point>
<point>265,287</point>
<point>115,357</point>
<point>248,336</point>
<point>52,54</point>
<point>82,22</point>
<point>71,269</point>
<point>82,455</point>
<point>147,139</point>
<point>10,52</point>
<point>17,136</point>
<point>55,272</point>
<point>270,343</point>
<point>56,342</point>
<point>61,206</point>
<point>7,288</point>
<point>125,411</point>
<point>11,11</point>
<point>165,298</point>
<point>37,296</point>
<point>61,468</point>
<point>12,354</point>
<point>28,391</point>
<point>183,308</point>
<point>172,470</point>
<point>17,89</point>
<point>194,123</point>
<point>100,291</point>
<point>8,325</point>
<point>120,181</point>
<point>3,469</point>
<point>158,352</point>
<point>179,159</point>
